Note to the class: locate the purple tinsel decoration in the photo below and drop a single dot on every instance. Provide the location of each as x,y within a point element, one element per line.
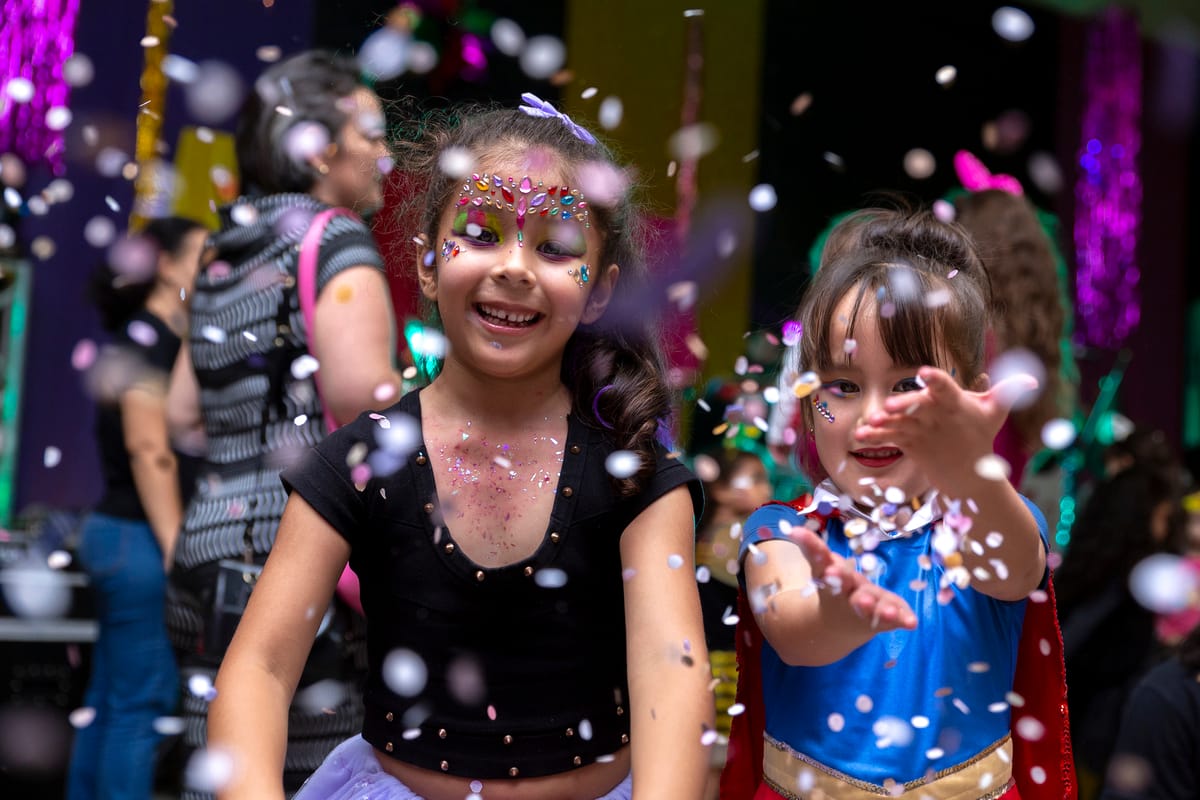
<point>1108,194</point>
<point>36,37</point>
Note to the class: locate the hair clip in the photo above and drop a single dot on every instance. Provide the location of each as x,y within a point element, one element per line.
<point>540,108</point>
<point>524,198</point>
<point>823,409</point>
<point>583,276</point>
<point>449,249</point>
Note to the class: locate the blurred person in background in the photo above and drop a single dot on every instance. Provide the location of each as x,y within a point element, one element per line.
<point>1028,312</point>
<point>1108,637</point>
<point>310,138</point>
<point>1157,754</point>
<point>128,541</point>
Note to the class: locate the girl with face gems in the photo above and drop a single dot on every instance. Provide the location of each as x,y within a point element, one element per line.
<point>522,533</point>
<point>309,140</point>
<point>884,612</point>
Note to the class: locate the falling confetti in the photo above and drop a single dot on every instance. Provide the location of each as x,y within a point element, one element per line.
<point>802,103</point>
<point>1012,24</point>
<point>622,464</point>
<point>945,76</point>
<point>1163,583</point>
<point>1058,434</point>
<point>78,70</point>
<point>51,457</point>
<point>550,578</point>
<point>209,770</point>
<point>385,53</point>
<point>919,163</point>
<point>168,726</point>
<point>216,93</point>
<point>457,162</point>
<point>543,56</point>
<point>762,197</point>
<point>80,718</point>
<point>611,112</point>
<point>508,37</point>
<point>404,672</point>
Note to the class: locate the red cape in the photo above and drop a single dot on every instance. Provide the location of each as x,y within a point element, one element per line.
<point>1040,679</point>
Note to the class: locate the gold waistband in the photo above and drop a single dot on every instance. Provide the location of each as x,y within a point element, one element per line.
<point>985,776</point>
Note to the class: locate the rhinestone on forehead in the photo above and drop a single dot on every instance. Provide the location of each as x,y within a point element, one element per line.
<point>524,198</point>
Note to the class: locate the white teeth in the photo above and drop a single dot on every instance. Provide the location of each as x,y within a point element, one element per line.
<point>508,316</point>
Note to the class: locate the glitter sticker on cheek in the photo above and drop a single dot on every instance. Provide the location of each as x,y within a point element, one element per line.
<point>449,249</point>
<point>582,276</point>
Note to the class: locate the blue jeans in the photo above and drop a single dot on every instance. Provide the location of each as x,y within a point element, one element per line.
<point>134,680</point>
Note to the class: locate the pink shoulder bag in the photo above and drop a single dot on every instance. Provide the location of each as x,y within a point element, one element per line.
<point>306,285</point>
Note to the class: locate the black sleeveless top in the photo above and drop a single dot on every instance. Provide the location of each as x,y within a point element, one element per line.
<point>475,671</point>
<point>148,349</point>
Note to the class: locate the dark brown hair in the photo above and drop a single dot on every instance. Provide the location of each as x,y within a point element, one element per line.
<point>117,299</point>
<point>928,272</point>
<point>613,367</point>
<point>1027,309</point>
<point>311,85</point>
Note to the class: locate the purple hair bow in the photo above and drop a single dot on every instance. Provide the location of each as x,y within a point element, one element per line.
<point>540,108</point>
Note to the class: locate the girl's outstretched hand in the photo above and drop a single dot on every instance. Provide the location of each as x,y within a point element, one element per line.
<point>944,427</point>
<point>883,609</point>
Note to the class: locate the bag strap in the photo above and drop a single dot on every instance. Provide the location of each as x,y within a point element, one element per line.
<point>306,285</point>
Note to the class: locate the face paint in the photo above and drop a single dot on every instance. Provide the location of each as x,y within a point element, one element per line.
<point>473,223</point>
<point>449,249</point>
<point>524,198</point>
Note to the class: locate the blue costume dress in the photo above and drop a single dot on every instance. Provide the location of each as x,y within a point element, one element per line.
<point>906,705</point>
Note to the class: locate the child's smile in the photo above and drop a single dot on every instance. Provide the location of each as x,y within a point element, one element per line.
<point>512,287</point>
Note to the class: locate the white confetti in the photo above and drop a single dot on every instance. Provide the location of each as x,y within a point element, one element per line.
<point>209,770</point>
<point>168,726</point>
<point>763,197</point>
<point>1030,729</point>
<point>550,578</point>
<point>19,89</point>
<point>1163,583</point>
<point>1012,24</point>
<point>404,672</point>
<point>611,111</point>
<point>543,56</point>
<point>993,468</point>
<point>78,70</point>
<point>1058,434</point>
<point>508,36</point>
<point>457,162</point>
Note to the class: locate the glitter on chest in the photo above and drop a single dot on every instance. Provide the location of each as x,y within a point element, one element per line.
<point>502,467</point>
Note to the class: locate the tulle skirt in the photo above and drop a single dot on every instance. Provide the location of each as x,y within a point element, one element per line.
<point>352,772</point>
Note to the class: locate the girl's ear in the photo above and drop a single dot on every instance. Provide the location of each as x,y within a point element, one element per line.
<point>427,269</point>
<point>981,383</point>
<point>602,293</point>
